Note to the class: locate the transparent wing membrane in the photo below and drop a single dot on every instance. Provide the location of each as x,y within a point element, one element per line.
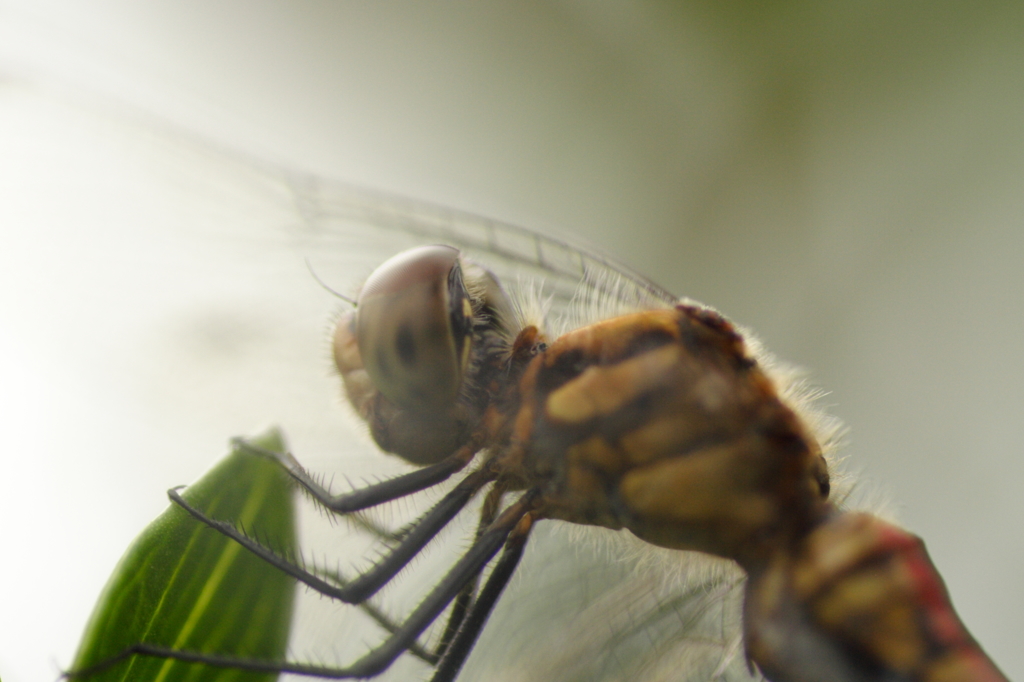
<point>570,586</point>
<point>337,217</point>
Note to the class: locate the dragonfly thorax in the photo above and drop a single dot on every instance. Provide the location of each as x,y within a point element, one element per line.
<point>662,423</point>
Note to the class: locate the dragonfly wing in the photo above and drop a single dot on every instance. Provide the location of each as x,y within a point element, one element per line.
<point>265,220</point>
<point>339,218</point>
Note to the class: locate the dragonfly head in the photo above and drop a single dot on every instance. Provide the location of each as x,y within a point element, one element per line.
<point>413,326</point>
<point>426,324</point>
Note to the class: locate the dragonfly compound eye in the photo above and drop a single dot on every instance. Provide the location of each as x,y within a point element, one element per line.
<point>412,326</point>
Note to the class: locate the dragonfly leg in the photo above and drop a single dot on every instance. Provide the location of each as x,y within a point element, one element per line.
<point>474,621</point>
<point>386,622</point>
<point>358,589</point>
<point>488,512</point>
<point>400,641</point>
<point>371,495</point>
<point>376,529</point>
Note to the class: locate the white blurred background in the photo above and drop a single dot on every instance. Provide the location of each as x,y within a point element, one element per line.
<point>847,179</point>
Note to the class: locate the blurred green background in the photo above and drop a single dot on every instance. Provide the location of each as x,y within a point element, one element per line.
<point>845,178</point>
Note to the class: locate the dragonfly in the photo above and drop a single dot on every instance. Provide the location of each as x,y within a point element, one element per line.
<point>560,387</point>
<point>660,625</point>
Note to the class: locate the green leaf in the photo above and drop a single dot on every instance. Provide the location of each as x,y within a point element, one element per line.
<point>185,586</point>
